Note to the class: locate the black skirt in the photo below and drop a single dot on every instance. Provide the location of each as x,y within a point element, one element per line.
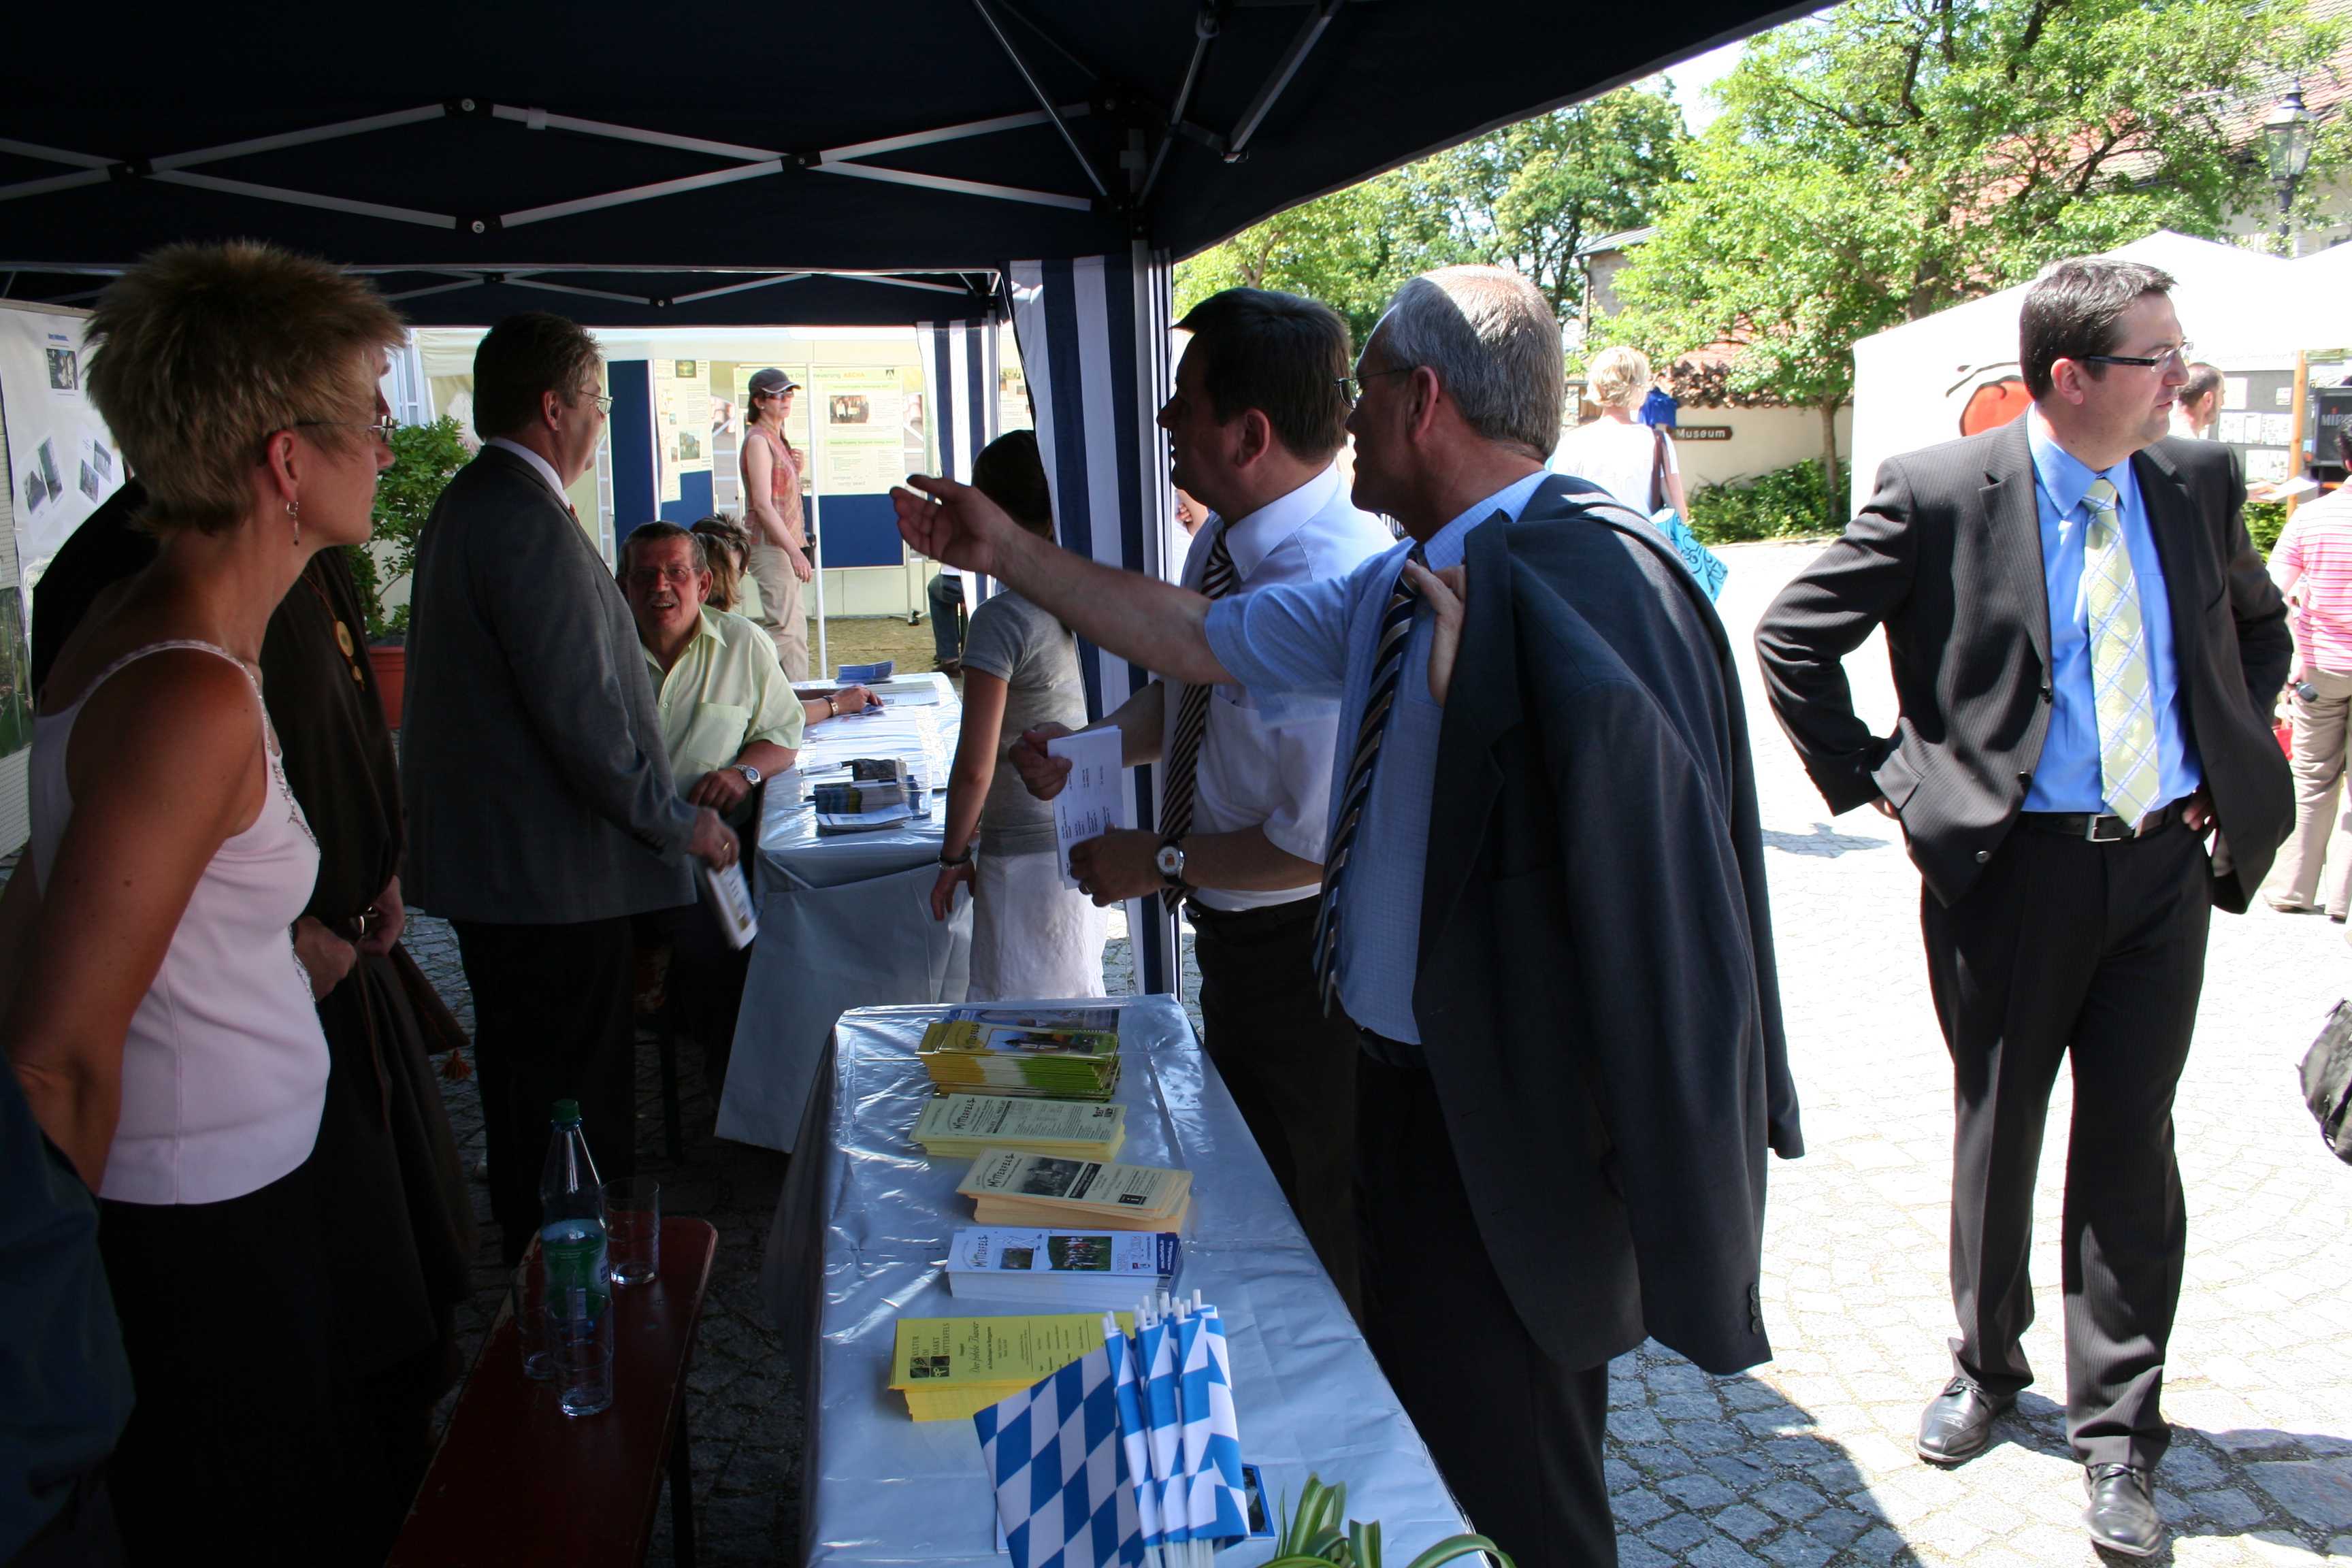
<point>232,1444</point>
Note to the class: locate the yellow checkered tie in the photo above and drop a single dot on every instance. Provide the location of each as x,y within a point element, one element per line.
<point>2124,700</point>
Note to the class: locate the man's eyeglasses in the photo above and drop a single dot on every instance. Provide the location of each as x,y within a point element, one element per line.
<point>1351,387</point>
<point>382,427</point>
<point>655,576</point>
<point>2178,356</point>
<point>603,404</point>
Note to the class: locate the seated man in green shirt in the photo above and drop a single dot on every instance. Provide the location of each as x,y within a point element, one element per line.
<point>728,717</point>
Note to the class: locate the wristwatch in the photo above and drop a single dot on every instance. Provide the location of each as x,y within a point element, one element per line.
<point>1170,862</point>
<point>750,774</point>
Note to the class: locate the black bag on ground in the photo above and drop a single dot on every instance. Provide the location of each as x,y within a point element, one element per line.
<point>2327,1080</point>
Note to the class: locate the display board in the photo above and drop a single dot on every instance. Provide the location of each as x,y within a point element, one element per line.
<point>681,422</point>
<point>2257,417</point>
<point>62,465</point>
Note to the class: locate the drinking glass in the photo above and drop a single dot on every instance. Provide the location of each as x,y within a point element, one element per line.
<point>633,1229</point>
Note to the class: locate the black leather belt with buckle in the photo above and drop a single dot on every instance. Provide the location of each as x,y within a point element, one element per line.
<point>2100,828</point>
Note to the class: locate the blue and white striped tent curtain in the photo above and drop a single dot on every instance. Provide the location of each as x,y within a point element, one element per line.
<point>1094,345</point>
<point>962,359</point>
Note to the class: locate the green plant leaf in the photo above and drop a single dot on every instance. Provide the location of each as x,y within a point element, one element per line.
<point>1453,1546</point>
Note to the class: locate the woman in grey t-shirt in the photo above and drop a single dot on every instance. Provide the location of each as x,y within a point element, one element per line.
<point>1031,936</point>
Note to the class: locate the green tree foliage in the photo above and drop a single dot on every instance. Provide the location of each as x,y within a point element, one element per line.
<point>1892,157</point>
<point>1526,195</point>
<point>424,457</point>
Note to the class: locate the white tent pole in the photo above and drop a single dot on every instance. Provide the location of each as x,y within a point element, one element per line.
<point>824,670</point>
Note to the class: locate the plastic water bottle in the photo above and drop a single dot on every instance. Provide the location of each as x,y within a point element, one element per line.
<point>577,1289</point>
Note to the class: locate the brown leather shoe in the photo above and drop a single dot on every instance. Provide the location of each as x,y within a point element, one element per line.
<point>2121,1515</point>
<point>1957,1426</point>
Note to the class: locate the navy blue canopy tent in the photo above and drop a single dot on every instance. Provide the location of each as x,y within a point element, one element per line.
<point>895,162</point>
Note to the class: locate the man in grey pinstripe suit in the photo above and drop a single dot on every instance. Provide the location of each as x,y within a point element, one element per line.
<point>2087,650</point>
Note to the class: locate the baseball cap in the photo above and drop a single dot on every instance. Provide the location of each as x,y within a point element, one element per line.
<point>766,383</point>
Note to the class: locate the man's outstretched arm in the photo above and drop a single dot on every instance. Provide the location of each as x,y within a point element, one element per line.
<point>1151,623</point>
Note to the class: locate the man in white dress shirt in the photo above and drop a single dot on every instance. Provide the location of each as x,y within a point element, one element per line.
<point>1258,414</point>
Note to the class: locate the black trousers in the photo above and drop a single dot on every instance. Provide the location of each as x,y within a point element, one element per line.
<point>552,1020</point>
<point>1291,1069</point>
<point>233,1451</point>
<point>1516,1435</point>
<point>2095,952</point>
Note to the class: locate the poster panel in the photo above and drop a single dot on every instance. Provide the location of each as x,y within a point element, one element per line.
<point>62,462</point>
<point>681,420</point>
<point>866,420</point>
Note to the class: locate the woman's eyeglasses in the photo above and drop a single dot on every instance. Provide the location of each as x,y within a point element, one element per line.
<point>382,427</point>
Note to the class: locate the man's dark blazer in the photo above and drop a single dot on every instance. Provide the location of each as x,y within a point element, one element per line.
<point>538,792</point>
<point>1596,993</point>
<point>1948,555</point>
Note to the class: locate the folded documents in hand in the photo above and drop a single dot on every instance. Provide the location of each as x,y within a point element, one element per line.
<point>966,1126</point>
<point>1057,1053</point>
<point>1018,1189</point>
<point>1061,1268</point>
<point>951,1368</point>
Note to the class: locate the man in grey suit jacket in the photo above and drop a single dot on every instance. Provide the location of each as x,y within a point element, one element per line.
<point>2086,649</point>
<point>542,814</point>
<point>1570,1069</point>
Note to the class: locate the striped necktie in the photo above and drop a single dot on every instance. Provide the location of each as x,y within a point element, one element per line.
<point>2123,698</point>
<point>1388,664</point>
<point>1192,719</point>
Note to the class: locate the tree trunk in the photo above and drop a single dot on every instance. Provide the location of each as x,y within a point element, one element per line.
<point>1834,506</point>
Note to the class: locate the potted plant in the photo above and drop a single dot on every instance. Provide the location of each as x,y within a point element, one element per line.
<point>424,459</point>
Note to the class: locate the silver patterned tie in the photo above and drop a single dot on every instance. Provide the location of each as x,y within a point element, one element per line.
<point>2124,699</point>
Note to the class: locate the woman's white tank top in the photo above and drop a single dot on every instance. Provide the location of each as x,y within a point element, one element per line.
<point>225,1066</point>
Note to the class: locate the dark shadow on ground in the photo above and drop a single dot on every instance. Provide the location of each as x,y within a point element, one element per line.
<point>2286,1488</point>
<point>1705,1468</point>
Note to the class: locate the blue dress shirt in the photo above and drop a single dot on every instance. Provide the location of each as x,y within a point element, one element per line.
<point>2067,778</point>
<point>1316,639</point>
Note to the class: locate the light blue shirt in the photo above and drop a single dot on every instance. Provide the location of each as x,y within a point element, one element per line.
<point>2067,776</point>
<point>1316,638</point>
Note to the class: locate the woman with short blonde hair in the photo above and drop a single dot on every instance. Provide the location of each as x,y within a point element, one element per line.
<point>1617,453</point>
<point>155,1002</point>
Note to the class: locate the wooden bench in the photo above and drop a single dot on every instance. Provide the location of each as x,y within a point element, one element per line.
<point>516,1481</point>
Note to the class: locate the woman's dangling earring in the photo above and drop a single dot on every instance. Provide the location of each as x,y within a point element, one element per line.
<point>294,511</point>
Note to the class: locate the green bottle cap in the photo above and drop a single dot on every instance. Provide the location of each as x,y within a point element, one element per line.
<point>567,1113</point>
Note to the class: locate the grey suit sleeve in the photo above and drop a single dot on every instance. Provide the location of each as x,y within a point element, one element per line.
<point>1851,587</point>
<point>546,610</point>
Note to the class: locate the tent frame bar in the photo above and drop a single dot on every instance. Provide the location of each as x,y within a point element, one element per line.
<point>964,187</point>
<point>641,194</point>
<point>755,163</point>
<point>1045,102</point>
<point>1309,33</point>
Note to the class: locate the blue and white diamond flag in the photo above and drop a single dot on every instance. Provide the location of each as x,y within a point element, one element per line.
<point>1053,1455</point>
<point>1215,1508</point>
<point>1127,1457</point>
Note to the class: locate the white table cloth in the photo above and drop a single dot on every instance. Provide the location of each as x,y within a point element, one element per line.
<point>859,1234</point>
<point>844,919</point>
